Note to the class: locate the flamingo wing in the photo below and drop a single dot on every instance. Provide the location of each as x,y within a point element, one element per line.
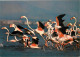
<point>17,33</point>
<point>27,31</point>
<point>59,20</point>
<point>20,27</point>
<point>60,23</point>
<point>41,25</point>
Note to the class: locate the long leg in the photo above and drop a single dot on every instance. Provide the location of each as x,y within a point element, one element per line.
<point>15,38</point>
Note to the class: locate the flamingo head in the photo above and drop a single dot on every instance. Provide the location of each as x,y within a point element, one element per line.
<point>23,17</point>
<point>73,18</point>
<point>12,25</point>
<point>3,28</point>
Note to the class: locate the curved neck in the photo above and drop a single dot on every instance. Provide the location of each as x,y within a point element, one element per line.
<point>75,21</point>
<point>28,24</point>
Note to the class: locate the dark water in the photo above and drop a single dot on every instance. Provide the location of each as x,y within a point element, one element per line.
<point>16,49</point>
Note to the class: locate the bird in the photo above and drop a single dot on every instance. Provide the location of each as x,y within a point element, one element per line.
<point>62,37</point>
<point>8,34</point>
<point>74,25</point>
<point>31,31</point>
<point>40,28</point>
<point>17,29</point>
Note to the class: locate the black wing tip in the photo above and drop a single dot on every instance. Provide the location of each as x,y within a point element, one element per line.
<point>61,15</point>
<point>41,25</point>
<point>20,27</point>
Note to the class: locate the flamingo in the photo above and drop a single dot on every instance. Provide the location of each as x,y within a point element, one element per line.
<point>54,34</point>
<point>25,39</point>
<point>40,27</point>
<point>8,33</point>
<point>27,22</point>
<point>34,43</point>
<point>39,30</point>
<point>19,31</point>
<point>62,32</point>
<point>15,27</point>
<point>69,31</point>
<point>74,25</point>
<point>62,37</point>
<point>78,30</point>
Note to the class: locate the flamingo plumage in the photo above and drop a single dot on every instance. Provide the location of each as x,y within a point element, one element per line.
<point>8,33</point>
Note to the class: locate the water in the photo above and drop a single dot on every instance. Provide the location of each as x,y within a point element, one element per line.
<point>16,49</point>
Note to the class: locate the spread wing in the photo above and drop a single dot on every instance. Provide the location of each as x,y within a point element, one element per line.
<point>17,33</point>
<point>59,22</point>
<point>20,27</point>
<point>26,31</point>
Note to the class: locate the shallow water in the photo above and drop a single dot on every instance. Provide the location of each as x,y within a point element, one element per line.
<point>16,49</point>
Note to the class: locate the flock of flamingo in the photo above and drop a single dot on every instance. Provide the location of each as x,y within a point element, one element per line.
<point>58,35</point>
